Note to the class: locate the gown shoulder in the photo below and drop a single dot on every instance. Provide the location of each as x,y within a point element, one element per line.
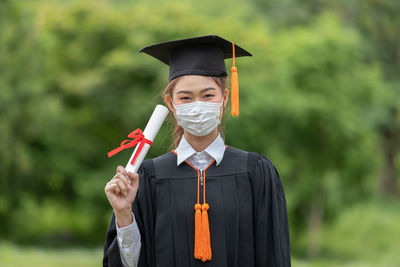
<point>271,226</point>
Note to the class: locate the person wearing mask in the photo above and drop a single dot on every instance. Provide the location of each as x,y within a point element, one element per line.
<point>204,203</point>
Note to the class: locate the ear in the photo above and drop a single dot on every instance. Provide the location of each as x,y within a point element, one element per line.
<point>167,101</point>
<point>226,97</point>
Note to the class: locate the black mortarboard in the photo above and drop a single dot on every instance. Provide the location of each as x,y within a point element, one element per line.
<point>203,55</point>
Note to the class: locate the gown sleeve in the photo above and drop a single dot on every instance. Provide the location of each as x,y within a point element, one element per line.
<point>142,209</point>
<point>271,228</point>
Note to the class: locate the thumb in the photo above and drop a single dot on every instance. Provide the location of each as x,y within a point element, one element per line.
<point>134,177</point>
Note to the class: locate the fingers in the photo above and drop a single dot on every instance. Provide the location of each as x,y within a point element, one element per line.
<point>122,182</point>
<point>117,186</point>
<point>112,187</point>
<point>122,186</point>
<point>122,177</point>
<point>122,170</point>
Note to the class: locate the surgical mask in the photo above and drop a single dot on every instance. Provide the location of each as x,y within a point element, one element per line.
<point>198,118</point>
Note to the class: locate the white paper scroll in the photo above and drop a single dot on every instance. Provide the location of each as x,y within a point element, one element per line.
<point>150,132</point>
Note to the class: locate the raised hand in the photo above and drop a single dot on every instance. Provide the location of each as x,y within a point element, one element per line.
<point>121,191</point>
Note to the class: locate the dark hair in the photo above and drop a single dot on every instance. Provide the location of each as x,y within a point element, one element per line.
<point>177,131</point>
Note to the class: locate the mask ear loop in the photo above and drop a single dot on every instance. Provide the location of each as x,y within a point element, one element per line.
<point>222,102</point>
<point>172,102</point>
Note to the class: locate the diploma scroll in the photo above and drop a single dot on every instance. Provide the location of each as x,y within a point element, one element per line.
<point>153,126</point>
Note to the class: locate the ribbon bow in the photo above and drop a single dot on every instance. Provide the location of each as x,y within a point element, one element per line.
<point>138,138</point>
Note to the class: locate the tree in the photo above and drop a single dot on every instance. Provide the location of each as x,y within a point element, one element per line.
<point>312,111</point>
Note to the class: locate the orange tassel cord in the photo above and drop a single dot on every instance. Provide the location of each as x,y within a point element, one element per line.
<point>234,86</point>
<point>202,241</point>
<point>198,249</point>
<point>198,245</point>
<point>205,230</point>
<point>205,226</point>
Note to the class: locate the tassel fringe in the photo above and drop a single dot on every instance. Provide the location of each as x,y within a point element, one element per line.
<point>198,248</point>
<point>205,229</point>
<point>234,92</point>
<point>234,86</point>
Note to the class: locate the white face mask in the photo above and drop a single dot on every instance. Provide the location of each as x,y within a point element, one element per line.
<point>198,118</point>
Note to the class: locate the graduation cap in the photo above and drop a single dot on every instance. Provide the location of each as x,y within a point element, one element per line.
<point>203,55</point>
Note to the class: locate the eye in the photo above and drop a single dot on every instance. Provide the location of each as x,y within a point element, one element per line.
<point>184,98</point>
<point>208,95</point>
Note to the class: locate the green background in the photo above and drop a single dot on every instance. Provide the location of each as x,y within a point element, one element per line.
<point>320,98</point>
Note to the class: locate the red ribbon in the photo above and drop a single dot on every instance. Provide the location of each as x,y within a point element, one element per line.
<point>138,138</point>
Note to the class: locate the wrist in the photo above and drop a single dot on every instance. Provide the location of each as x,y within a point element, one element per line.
<point>124,217</point>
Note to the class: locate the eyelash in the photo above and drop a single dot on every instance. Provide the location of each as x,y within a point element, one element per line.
<point>188,98</point>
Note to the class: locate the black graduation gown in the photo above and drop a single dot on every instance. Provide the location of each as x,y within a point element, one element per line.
<point>247,215</point>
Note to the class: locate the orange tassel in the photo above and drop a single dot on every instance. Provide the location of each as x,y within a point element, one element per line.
<point>205,230</point>
<point>234,86</point>
<point>198,248</point>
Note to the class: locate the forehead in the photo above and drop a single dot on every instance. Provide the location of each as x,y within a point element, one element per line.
<point>194,83</point>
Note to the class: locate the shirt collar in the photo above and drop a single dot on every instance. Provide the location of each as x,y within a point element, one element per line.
<point>216,150</point>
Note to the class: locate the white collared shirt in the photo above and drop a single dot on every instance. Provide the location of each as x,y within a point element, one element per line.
<point>215,151</point>
<point>129,236</point>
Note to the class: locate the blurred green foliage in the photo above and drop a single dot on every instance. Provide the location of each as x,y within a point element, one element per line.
<point>316,98</point>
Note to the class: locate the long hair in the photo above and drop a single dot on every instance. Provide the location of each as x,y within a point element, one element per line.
<point>177,131</point>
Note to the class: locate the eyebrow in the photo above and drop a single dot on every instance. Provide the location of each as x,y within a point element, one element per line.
<point>189,92</point>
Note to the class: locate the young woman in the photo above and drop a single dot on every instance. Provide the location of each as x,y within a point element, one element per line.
<point>205,202</point>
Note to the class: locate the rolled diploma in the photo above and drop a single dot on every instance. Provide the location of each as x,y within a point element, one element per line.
<point>150,132</point>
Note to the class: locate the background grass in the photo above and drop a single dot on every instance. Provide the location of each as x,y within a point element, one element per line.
<point>364,235</point>
<point>17,256</point>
